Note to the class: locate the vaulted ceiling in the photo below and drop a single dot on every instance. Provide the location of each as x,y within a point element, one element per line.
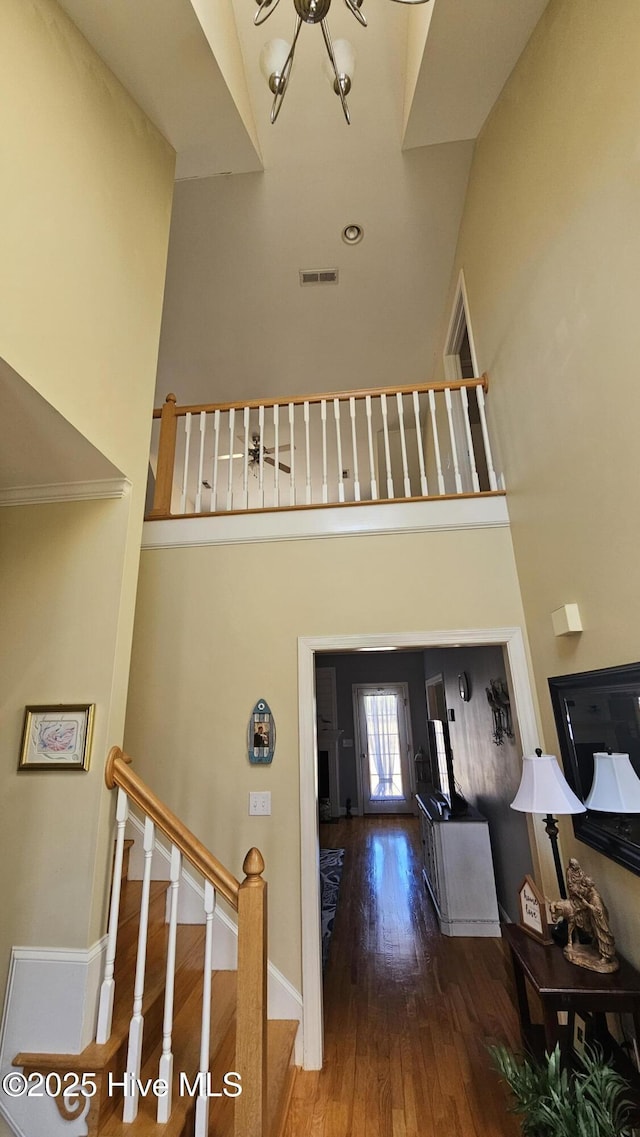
<point>255,203</point>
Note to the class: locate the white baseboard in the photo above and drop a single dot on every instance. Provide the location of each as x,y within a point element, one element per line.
<point>50,1007</point>
<point>283,1000</point>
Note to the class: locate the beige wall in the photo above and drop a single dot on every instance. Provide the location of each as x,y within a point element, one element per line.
<point>217,629</point>
<point>85,199</point>
<point>550,246</point>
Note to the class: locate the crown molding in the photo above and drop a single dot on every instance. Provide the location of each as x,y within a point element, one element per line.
<point>65,491</point>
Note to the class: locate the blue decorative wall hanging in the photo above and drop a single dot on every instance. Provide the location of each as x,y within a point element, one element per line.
<point>261,735</point>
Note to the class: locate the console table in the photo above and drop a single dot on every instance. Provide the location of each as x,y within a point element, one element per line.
<point>561,986</point>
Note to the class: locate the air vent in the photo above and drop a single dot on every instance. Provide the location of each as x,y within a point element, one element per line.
<point>318,276</point>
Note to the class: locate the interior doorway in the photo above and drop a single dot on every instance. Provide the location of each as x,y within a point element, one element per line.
<point>384,747</point>
<point>510,639</point>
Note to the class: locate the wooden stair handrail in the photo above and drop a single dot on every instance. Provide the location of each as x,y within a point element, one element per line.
<point>170,411</point>
<point>118,773</point>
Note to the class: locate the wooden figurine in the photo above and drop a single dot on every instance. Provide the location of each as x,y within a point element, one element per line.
<point>585,910</point>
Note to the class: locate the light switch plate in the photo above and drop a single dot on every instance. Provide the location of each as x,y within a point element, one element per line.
<point>260,803</point>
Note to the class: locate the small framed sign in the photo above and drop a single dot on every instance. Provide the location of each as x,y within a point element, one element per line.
<point>261,735</point>
<point>533,911</point>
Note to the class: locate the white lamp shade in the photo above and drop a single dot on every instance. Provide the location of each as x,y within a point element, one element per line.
<point>273,57</point>
<point>345,58</point>
<point>543,787</point>
<point>615,787</point>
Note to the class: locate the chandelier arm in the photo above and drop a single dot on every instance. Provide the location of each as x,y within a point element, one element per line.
<point>355,11</point>
<point>286,71</point>
<point>327,39</point>
<point>266,8</point>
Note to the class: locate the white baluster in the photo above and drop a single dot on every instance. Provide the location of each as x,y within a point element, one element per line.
<point>202,1103</point>
<point>475,481</point>
<point>245,460</point>
<point>261,456</point>
<point>165,1069</point>
<point>185,468</point>
<point>452,439</point>
<point>493,481</point>
<point>336,415</point>
<point>136,1027</point>
<point>307,453</point>
<point>424,489</point>
<point>276,455</point>
<point>372,463</point>
<point>107,990</point>
<point>323,416</point>
<point>232,422</point>
<point>403,446</point>
<point>214,471</point>
<point>292,472</point>
<point>387,454</point>
<point>203,427</point>
<point>354,448</point>
<point>436,442</point>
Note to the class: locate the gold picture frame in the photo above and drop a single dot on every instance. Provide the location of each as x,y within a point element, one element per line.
<point>57,737</point>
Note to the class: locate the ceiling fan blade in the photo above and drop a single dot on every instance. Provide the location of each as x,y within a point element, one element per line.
<point>281,465</point>
<point>272,449</point>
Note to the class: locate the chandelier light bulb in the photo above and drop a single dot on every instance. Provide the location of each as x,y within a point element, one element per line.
<point>272,60</point>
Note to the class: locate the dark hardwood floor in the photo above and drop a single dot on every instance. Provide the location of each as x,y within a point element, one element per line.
<point>408,1012</point>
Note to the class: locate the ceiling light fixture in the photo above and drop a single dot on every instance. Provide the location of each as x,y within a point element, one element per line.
<point>276,59</point>
<point>352,234</point>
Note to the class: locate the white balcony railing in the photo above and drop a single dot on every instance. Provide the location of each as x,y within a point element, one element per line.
<point>397,444</point>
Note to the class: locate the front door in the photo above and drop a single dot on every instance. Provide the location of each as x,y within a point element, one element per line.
<point>384,744</point>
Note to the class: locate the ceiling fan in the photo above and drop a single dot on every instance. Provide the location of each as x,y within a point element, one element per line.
<point>254,450</point>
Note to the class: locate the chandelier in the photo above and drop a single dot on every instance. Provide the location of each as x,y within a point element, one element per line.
<point>276,58</point>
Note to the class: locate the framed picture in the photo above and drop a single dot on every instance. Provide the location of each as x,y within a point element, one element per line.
<point>57,738</point>
<point>533,911</point>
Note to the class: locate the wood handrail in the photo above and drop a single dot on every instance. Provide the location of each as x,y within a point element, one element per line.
<point>118,773</point>
<point>299,400</point>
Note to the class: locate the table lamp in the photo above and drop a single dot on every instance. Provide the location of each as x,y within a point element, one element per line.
<point>544,789</point>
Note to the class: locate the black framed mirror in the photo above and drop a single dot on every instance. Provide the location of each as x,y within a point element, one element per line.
<point>597,711</point>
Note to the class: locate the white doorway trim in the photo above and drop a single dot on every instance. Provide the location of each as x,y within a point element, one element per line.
<point>511,638</point>
<point>459,318</point>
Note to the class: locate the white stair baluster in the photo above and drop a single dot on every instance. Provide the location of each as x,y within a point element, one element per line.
<point>387,453</point>
<point>136,1027</point>
<point>202,1102</point>
<point>436,442</point>
<point>185,468</point>
<point>372,463</point>
<point>452,438</point>
<point>232,420</point>
<point>165,1069</point>
<point>276,455</point>
<point>323,416</point>
<point>245,460</point>
<point>403,446</point>
<point>292,474</point>
<point>336,415</point>
<point>214,471</point>
<point>203,427</point>
<point>424,489</point>
<point>354,449</point>
<point>493,481</point>
<point>107,990</point>
<point>307,453</point>
<point>464,399</point>
<point>261,457</point>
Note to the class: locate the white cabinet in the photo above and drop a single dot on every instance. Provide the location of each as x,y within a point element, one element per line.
<point>458,870</point>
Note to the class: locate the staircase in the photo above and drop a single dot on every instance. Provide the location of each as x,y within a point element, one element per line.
<point>166,1017</point>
